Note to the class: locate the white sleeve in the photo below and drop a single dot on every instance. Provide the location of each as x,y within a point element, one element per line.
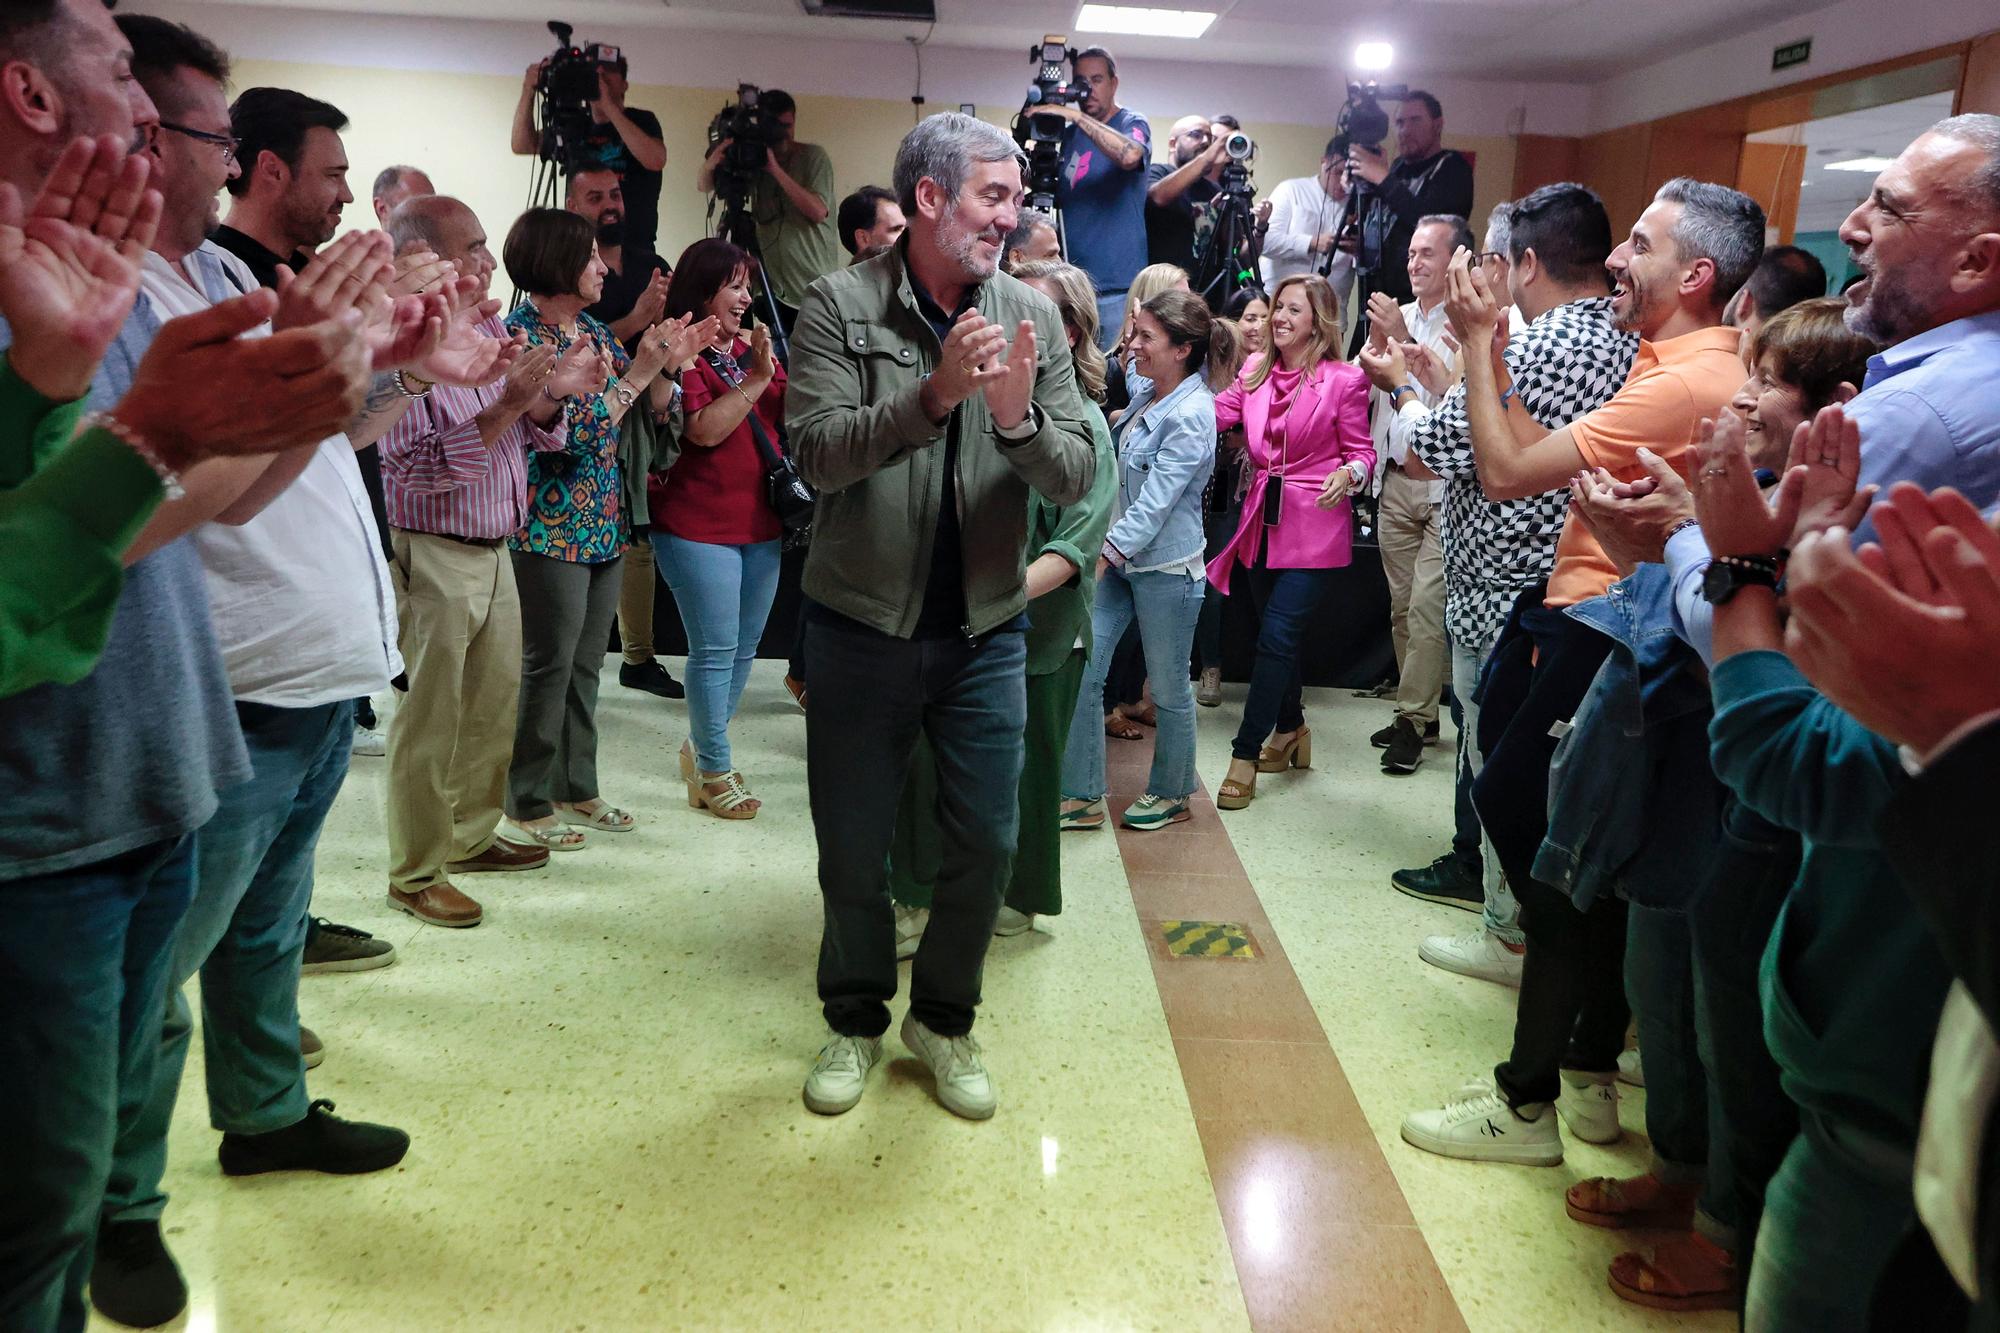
<point>1281,241</point>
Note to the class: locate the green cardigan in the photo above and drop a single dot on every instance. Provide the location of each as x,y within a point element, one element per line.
<point>1076,533</point>
<point>64,527</point>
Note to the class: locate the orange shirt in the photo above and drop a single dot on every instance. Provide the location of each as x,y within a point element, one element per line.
<point>1673,385</point>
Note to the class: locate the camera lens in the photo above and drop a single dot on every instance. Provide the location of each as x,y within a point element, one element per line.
<point>1238,146</point>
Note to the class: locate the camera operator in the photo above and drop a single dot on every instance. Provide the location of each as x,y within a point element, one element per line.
<point>1425,179</point>
<point>870,218</point>
<point>1306,216</point>
<point>1105,148</point>
<point>621,139</point>
<point>1177,194</point>
<point>792,205</point>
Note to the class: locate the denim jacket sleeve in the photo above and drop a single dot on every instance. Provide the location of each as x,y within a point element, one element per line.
<point>1793,757</point>
<point>1182,453</point>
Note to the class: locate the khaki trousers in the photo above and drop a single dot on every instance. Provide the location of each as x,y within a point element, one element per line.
<point>453,735</point>
<point>635,603</point>
<point>1413,561</point>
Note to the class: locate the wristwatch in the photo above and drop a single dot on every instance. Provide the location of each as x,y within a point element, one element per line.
<point>1728,575</point>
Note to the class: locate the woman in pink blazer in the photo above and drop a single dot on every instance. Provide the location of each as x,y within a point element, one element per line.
<point>1304,414</point>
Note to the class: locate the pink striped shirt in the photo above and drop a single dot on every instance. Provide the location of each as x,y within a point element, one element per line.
<point>439,476</point>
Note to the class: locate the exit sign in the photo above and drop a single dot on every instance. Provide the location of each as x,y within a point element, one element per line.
<point>1784,57</point>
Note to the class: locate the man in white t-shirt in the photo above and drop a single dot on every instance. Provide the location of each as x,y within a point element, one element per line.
<point>1306,214</point>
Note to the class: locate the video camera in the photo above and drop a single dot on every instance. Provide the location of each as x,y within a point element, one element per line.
<point>567,87</point>
<point>1041,136</point>
<point>752,132</point>
<point>1363,124</point>
<point>1240,149</point>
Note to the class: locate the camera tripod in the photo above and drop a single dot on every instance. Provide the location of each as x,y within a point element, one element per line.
<point>740,230</point>
<point>1228,263</point>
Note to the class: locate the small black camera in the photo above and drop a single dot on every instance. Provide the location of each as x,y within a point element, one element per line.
<point>752,131</point>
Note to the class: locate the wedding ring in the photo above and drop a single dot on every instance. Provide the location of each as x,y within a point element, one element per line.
<point>1715,472</point>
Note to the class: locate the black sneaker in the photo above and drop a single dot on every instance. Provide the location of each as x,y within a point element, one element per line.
<point>1447,880</point>
<point>652,678</point>
<point>1381,739</point>
<point>336,948</point>
<point>134,1279</point>
<point>320,1142</point>
<point>1406,747</point>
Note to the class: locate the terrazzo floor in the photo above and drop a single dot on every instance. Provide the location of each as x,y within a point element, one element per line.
<point>602,1084</point>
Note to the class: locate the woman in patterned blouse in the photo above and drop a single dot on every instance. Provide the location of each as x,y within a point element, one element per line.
<point>566,554</point>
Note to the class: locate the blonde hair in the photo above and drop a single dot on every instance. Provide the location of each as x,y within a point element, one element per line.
<point>1148,283</point>
<point>1323,345</point>
<point>1230,353</point>
<point>1076,302</point>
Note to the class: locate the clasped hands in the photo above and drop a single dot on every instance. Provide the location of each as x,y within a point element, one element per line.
<point>977,357</point>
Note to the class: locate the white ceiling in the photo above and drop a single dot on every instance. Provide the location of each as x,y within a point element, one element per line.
<point>1881,131</point>
<point>1556,41</point>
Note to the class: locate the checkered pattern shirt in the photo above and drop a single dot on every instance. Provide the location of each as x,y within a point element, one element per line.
<point>1565,364</point>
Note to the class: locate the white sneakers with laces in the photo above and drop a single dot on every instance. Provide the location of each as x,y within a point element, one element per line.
<point>1588,1104</point>
<point>962,1082</point>
<point>840,1074</point>
<point>1477,954</point>
<point>1478,1125</point>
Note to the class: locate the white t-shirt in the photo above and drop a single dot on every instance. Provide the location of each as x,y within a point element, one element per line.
<point>300,594</point>
<point>1301,210</point>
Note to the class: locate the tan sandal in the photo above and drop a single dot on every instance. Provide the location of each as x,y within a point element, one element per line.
<point>1688,1272</point>
<point>1122,728</point>
<point>1295,753</point>
<point>1234,795</point>
<point>1641,1201</point>
<point>725,797</point>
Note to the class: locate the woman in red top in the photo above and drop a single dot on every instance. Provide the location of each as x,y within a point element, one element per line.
<point>714,533</point>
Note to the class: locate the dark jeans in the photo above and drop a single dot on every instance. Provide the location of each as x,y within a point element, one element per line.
<point>1754,1121</point>
<point>872,696</point>
<point>1464,819</point>
<point>1219,527</point>
<point>1572,1012</point>
<point>83,974</point>
<point>1285,599</point>
<point>1661,984</point>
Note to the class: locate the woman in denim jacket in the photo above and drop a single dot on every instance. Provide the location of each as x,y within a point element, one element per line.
<point>1151,567</point>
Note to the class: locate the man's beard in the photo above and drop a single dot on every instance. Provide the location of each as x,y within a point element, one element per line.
<point>611,229</point>
<point>309,227</point>
<point>962,246</point>
<point>1893,310</point>
<point>1186,153</point>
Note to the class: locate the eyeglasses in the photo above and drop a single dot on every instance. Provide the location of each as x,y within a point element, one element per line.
<point>228,143</point>
<point>1481,256</point>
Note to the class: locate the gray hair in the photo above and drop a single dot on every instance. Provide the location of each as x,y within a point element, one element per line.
<point>1500,228</point>
<point>1461,231</point>
<point>418,222</point>
<point>1982,188</point>
<point>389,178</point>
<point>1721,225</point>
<point>945,148</point>
<point>1031,218</point>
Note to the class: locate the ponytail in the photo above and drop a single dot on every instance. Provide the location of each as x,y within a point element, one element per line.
<point>1211,343</point>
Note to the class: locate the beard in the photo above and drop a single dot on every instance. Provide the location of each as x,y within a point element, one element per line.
<point>1895,306</point>
<point>961,244</point>
<point>307,226</point>
<point>1187,153</point>
<point>611,229</point>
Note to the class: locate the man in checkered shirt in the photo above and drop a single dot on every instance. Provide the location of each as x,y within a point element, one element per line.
<point>1568,360</point>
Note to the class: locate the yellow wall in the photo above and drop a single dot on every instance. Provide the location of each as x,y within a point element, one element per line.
<point>455,126</point>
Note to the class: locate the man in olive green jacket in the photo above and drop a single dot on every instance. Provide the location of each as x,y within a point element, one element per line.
<point>928,394</point>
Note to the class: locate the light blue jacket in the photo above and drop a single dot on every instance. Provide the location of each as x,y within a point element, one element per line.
<point>1165,456</point>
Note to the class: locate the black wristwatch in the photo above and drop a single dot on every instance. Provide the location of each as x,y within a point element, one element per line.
<point>1728,575</point>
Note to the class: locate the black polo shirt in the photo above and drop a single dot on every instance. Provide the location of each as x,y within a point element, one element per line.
<point>624,286</point>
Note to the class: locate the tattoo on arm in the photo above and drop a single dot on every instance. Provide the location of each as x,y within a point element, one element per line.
<point>382,395</point>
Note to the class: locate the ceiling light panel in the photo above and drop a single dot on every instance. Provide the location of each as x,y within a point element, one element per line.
<point>1186,23</point>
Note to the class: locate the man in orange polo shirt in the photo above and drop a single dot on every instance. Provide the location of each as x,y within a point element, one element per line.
<point>1690,251</point>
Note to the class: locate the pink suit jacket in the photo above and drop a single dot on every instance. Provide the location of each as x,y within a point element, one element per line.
<point>1326,427</point>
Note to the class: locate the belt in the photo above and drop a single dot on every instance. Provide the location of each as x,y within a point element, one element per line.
<point>486,542</point>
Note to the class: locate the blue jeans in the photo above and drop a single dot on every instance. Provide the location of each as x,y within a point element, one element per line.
<point>1110,318</point>
<point>1661,985</point>
<point>1502,912</point>
<point>872,695</point>
<point>84,956</point>
<point>1166,606</point>
<point>1284,599</point>
<point>1835,1213</point>
<point>724,594</point>
<point>244,933</point>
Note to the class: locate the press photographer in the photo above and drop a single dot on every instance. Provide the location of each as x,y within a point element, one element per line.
<point>1425,178</point>
<point>788,190</point>
<point>1178,193</point>
<point>1104,149</point>
<point>572,112</point>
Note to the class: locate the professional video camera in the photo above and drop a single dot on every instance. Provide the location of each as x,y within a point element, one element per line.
<point>1226,259</point>
<point>1362,124</point>
<point>752,131</point>
<point>567,87</point>
<point>1041,136</point>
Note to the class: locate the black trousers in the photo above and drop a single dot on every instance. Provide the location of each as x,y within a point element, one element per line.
<point>1572,1011</point>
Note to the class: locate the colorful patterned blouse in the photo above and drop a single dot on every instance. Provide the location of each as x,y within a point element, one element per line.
<point>576,509</point>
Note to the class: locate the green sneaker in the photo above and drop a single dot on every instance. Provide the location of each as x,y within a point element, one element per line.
<point>1151,812</point>
<point>1085,818</point>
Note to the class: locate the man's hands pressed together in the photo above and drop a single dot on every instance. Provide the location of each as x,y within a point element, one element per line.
<point>978,356</point>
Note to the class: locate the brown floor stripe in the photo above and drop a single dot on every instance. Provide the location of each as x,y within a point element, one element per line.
<point>1321,1234</point>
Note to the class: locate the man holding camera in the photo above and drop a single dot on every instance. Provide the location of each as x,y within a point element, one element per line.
<point>1426,179</point>
<point>1105,148</point>
<point>621,139</point>
<point>791,201</point>
<point>1177,195</point>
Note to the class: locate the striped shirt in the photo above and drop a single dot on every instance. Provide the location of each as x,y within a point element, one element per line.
<point>439,476</point>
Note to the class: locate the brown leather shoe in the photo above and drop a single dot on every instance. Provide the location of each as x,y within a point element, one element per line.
<point>502,855</point>
<point>440,905</point>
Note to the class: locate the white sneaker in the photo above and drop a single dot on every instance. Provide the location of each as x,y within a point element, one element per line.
<point>1478,1126</point>
<point>1588,1104</point>
<point>1479,954</point>
<point>1012,922</point>
<point>910,923</point>
<point>962,1083</point>
<point>840,1075</point>
<point>1630,1070</point>
<point>373,743</point>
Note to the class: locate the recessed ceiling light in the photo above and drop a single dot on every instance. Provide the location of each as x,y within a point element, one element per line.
<point>1861,164</point>
<point>1373,55</point>
<point>1148,22</point>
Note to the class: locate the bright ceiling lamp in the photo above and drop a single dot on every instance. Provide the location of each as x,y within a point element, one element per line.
<point>1148,22</point>
<point>1860,164</point>
<point>1373,55</point>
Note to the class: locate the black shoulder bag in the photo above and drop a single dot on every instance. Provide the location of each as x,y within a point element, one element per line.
<point>789,496</point>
